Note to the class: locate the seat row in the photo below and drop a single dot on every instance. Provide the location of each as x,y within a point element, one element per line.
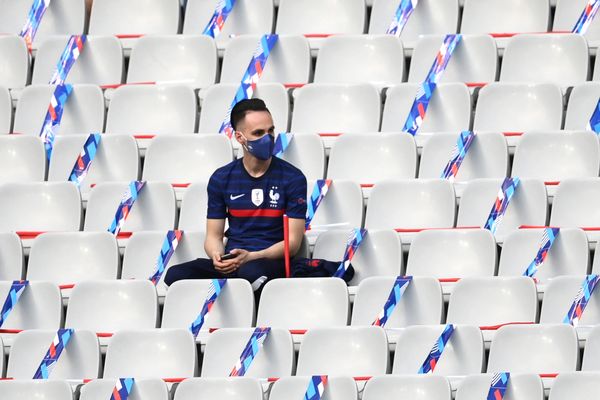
<point>379,59</point>
<point>402,387</point>
<point>297,17</point>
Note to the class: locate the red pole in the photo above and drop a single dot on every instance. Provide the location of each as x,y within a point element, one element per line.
<point>286,244</point>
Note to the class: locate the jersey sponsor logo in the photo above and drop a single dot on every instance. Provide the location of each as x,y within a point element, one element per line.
<point>232,197</point>
<point>257,197</point>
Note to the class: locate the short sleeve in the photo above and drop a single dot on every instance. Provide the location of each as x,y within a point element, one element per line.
<point>217,209</point>
<point>296,197</point>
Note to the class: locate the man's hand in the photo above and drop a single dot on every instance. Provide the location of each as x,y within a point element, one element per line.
<point>224,267</point>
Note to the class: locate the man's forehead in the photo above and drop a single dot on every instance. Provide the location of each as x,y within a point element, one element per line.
<point>257,120</point>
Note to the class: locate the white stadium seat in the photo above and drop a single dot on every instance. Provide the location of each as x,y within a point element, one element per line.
<point>192,216</point>
<point>237,388</point>
<point>22,159</point>
<point>570,385</point>
<point>574,205</point>
<point>407,387</point>
<point>5,111</point>
<point>14,61</point>
<point>520,387</point>
<point>341,208</point>
<point>31,389</point>
<point>498,16</point>
<point>592,349</point>
<point>307,153</point>
<point>582,103</point>
<point>143,389</point>
<point>12,260</point>
<point>567,13</point>
<point>337,388</point>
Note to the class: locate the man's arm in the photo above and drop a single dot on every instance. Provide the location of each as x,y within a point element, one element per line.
<point>213,245</point>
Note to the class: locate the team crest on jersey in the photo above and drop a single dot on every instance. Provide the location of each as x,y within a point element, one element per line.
<point>257,197</point>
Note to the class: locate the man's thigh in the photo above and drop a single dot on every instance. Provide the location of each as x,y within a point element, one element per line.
<point>257,272</point>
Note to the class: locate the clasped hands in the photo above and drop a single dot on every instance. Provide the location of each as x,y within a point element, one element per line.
<point>229,266</point>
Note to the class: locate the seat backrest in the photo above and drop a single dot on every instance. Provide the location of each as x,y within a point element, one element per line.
<point>536,349</point>
<point>319,16</point>
<point>524,107</point>
<point>376,59</point>
<point>407,387</point>
<point>341,208</point>
<point>22,159</point>
<point>113,305</point>
<point>520,387</point>
<point>71,257</point>
<point>293,387</point>
<point>487,156</point>
<point>475,59</point>
<point>501,16</point>
<point>421,303</point>
<point>236,388</point>
<point>5,111</point>
<point>14,60</point>
<point>575,203</point>
<point>39,307</point>
<point>152,109</point>
<point>289,61</point>
<point>186,158</point>
<point>307,153</point>
<point>582,104</point>
<point>40,206</point>
<point>489,301</point>
<point>449,108</point>
<point>575,384</point>
<point>101,61</point>
<point>553,156</point>
<point>411,204</point>
<point>80,359</point>
<point>528,205</point>
<point>218,98</point>
<point>117,159</point>
<point>462,355</point>
<point>192,216</point>
<point>224,347</point>
<point>560,294</point>
<point>304,303</point>
<point>154,209</point>
<point>379,254</point>
<point>566,15</point>
<point>371,157</point>
<point>144,389</point>
<point>336,108</point>
<point>151,353</point>
<point>234,308</point>
<point>569,254</point>
<point>188,59</point>
<point>31,389</point>
<point>561,59</point>
<point>353,351</point>
<point>452,253</point>
<point>12,259</point>
<point>115,17</point>
<point>592,349</point>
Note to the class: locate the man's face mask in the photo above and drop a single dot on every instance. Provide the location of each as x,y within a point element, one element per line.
<point>261,148</point>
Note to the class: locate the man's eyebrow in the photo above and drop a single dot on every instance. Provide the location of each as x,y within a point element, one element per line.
<point>261,131</point>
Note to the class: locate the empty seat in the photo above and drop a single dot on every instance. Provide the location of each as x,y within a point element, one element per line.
<point>307,153</point>
<point>569,254</point>
<point>5,111</point>
<point>379,254</point>
<point>66,17</point>
<point>337,388</point>
<point>234,308</point>
<point>352,351</point>
<point>83,112</point>
<point>582,103</point>
<point>519,387</point>
<point>151,109</point>
<point>218,98</point>
<point>289,61</point>
<point>143,249</point>
<point>528,205</point>
<point>369,158</point>
<point>575,384</point>
<point>411,205</point>
<point>39,206</point>
<point>487,156</point>
<point>561,59</point>
<point>423,387</point>
<point>12,261</point>
<point>112,306</point>
<point>72,257</point>
<point>187,59</point>
<point>538,349</point>
<point>30,389</point>
<point>475,59</point>
<point>236,388</point>
<point>80,359</point>
<point>524,107</point>
<point>117,159</point>
<point>22,159</point>
<point>430,17</point>
<point>567,14</point>
<point>376,59</point>
<point>146,389</point>
<point>14,60</point>
<point>462,355</point>
<point>592,349</point>
<point>224,347</point>
<point>247,17</point>
<point>304,303</point>
<point>192,216</point>
<point>574,205</point>
<point>101,61</point>
<point>154,209</point>
<point>497,16</point>
<point>151,353</point>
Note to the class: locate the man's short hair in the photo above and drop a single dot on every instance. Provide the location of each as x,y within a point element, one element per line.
<point>243,107</point>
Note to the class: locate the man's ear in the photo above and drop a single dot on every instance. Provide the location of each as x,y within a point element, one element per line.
<point>239,137</point>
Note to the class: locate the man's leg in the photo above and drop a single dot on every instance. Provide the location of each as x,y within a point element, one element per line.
<point>258,272</point>
<point>200,268</point>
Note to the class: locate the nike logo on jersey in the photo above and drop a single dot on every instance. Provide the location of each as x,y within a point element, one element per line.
<point>232,197</point>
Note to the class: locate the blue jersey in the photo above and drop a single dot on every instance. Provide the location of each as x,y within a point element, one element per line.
<point>254,207</point>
